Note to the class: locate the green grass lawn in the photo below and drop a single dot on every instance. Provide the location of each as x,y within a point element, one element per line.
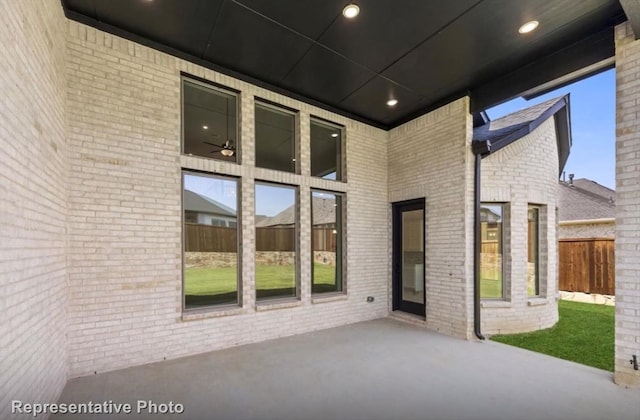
<point>584,334</point>
<point>490,288</point>
<point>205,286</point>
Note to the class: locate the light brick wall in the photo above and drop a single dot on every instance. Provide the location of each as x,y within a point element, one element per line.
<point>525,172</point>
<point>125,221</point>
<point>431,158</point>
<point>587,230</point>
<point>627,205</point>
<point>33,203</point>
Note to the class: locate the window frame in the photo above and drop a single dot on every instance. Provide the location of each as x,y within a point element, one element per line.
<point>341,167</point>
<point>216,87</point>
<point>343,249</point>
<point>295,137</point>
<point>297,264</point>
<point>536,242</point>
<point>504,296</point>
<point>238,183</point>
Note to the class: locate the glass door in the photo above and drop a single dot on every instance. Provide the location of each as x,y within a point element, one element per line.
<point>408,257</point>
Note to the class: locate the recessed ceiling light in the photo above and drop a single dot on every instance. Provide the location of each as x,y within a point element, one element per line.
<point>205,127</point>
<point>350,11</point>
<point>528,27</point>
<point>334,135</point>
<point>392,102</point>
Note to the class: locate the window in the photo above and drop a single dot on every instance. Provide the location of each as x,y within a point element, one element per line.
<point>275,138</point>
<point>533,252</point>
<point>326,150</point>
<point>209,122</point>
<point>210,274</point>
<point>326,241</point>
<point>491,260</point>
<point>276,217</point>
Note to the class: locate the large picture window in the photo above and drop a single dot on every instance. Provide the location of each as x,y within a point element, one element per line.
<point>326,150</point>
<point>533,251</point>
<point>276,216</point>
<point>210,209</point>
<point>275,138</point>
<point>327,241</point>
<point>491,252</point>
<point>209,121</point>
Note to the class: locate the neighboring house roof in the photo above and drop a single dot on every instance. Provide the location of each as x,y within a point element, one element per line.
<point>324,212</point>
<point>491,136</point>
<point>201,204</point>
<point>593,187</point>
<point>486,215</point>
<point>577,203</point>
<point>285,217</point>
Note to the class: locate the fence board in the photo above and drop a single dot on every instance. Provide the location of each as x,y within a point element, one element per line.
<point>205,238</point>
<point>587,265</point>
<point>276,239</point>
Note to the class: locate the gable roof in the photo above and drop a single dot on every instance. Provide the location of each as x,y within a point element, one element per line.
<point>577,203</point>
<point>198,203</point>
<point>593,187</point>
<point>324,212</point>
<point>494,135</point>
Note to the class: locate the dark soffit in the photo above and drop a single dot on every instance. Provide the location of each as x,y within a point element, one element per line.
<point>424,53</point>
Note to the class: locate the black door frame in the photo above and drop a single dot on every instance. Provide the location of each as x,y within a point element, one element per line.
<point>398,304</point>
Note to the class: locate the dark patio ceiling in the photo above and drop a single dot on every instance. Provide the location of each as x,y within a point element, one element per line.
<point>424,53</point>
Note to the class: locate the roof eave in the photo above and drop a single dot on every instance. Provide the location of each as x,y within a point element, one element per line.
<point>560,111</point>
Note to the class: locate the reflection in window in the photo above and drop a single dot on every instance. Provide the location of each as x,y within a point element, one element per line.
<point>326,240</point>
<point>413,256</point>
<point>533,254</point>
<point>326,150</point>
<point>491,273</point>
<point>209,123</point>
<point>275,139</point>
<point>210,240</point>
<point>276,239</point>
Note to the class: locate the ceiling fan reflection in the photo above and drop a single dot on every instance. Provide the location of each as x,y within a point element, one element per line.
<point>227,149</point>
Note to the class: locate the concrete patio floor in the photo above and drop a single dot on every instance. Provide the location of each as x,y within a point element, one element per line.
<point>381,369</point>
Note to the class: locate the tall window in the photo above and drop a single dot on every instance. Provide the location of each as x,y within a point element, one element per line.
<point>326,240</point>
<point>533,252</point>
<point>491,260</point>
<point>276,240</point>
<point>275,138</point>
<point>326,150</point>
<point>209,122</point>
<point>210,221</point>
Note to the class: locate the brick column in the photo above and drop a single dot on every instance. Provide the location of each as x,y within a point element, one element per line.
<point>627,328</point>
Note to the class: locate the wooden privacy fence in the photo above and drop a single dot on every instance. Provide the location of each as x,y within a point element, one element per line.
<point>490,247</point>
<point>587,265</point>
<point>205,238</point>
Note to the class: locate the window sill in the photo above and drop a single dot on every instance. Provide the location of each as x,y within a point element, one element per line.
<point>332,184</point>
<point>495,304</point>
<point>329,297</point>
<point>211,312</point>
<point>537,301</point>
<point>277,304</point>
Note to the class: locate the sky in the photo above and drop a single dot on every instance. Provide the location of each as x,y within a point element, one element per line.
<point>270,199</point>
<point>592,105</point>
<point>223,190</point>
